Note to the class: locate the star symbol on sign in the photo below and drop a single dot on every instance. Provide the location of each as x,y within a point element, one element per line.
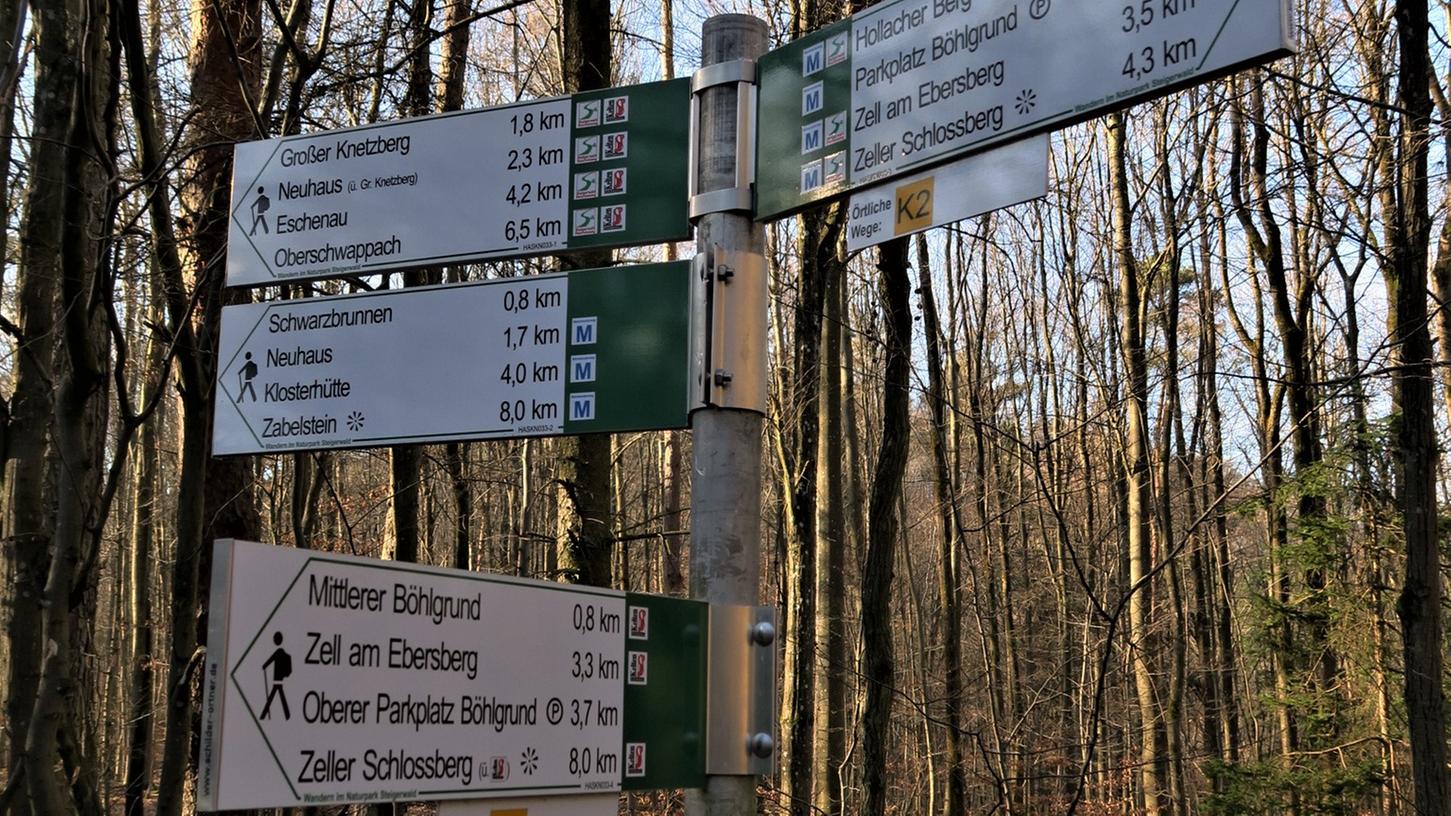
<point>531,761</point>
<point>355,421</point>
<point>1027,100</point>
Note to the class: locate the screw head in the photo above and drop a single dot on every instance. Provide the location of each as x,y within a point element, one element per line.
<point>763,634</point>
<point>762,745</point>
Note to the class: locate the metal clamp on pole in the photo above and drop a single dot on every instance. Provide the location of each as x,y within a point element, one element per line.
<point>740,717</point>
<point>728,330</point>
<point>742,74</point>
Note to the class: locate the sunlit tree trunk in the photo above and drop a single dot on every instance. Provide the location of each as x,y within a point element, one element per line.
<point>1152,757</point>
<point>143,550</point>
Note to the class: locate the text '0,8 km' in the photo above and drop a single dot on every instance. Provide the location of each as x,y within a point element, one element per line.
<point>908,84</point>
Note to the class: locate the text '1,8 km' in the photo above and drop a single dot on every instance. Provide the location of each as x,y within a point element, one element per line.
<point>911,83</point>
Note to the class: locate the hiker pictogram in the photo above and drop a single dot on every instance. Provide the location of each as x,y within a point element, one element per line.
<point>245,376</point>
<point>260,205</point>
<point>281,665</point>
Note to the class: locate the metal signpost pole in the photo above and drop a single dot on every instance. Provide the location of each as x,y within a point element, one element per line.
<point>730,352</point>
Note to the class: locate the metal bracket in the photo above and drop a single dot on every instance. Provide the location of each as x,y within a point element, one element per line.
<point>742,74</point>
<point>723,73</point>
<point>728,330</point>
<point>740,717</point>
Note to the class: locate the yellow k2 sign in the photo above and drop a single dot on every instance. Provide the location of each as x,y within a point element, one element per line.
<point>914,206</point>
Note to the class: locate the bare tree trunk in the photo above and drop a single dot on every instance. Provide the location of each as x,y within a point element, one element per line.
<point>214,498</point>
<point>831,556</point>
<point>1222,669</point>
<point>584,532</point>
<point>674,540</point>
<point>1265,240</point>
<point>878,656</point>
<point>453,59</point>
<point>996,667</point>
<point>30,521</point>
<point>1152,776</point>
<point>143,549</point>
<point>674,543</point>
<point>820,232</point>
<point>453,65</point>
<point>59,766</point>
<point>1420,602</point>
<point>854,470</point>
<point>12,33</point>
<point>405,461</point>
<point>951,523</point>
<point>70,784</point>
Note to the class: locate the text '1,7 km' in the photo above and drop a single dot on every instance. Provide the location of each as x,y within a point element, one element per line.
<point>598,169</point>
<point>911,83</point>
<point>595,350</point>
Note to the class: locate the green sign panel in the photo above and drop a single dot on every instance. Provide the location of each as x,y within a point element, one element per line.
<point>641,174</point>
<point>664,719</point>
<point>590,351</point>
<point>908,84</point>
<point>803,136</point>
<point>641,348</point>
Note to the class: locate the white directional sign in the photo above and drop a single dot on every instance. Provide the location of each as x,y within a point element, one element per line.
<point>332,679</point>
<point>589,351</point>
<point>606,168</point>
<point>972,186</point>
<point>908,83</point>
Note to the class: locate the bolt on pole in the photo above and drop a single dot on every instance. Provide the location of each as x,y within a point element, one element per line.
<point>729,353</point>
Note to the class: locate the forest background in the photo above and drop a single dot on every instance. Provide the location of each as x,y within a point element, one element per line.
<point>1120,501</point>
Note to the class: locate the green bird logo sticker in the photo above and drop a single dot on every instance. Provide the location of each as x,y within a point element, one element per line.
<point>587,149</point>
<point>586,185</point>
<point>586,222</point>
<point>587,114</point>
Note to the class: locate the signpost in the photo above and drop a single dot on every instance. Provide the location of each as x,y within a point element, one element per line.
<point>333,679</point>
<point>972,186</point>
<point>596,350</point>
<point>600,169</point>
<point>911,83</point>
